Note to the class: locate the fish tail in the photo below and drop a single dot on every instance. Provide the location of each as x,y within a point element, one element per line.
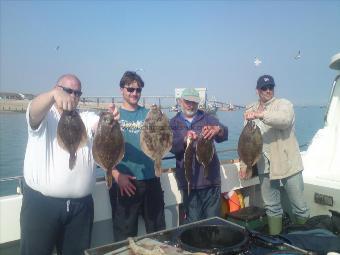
<point>206,171</point>
<point>108,178</point>
<point>247,174</point>
<point>72,160</point>
<point>158,167</point>
<point>187,176</point>
<point>83,139</point>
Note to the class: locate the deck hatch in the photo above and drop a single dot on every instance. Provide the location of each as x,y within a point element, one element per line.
<point>323,199</point>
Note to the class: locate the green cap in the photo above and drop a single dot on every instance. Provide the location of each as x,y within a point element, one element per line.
<point>191,95</point>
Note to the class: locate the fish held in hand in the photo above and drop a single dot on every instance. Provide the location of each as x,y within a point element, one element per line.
<point>71,134</point>
<point>156,137</point>
<point>204,152</point>
<point>108,145</point>
<point>249,149</point>
<point>188,159</point>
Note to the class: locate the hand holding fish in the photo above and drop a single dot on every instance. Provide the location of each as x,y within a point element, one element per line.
<point>124,183</point>
<point>191,134</point>
<point>253,115</point>
<point>244,173</point>
<point>63,100</point>
<point>209,132</point>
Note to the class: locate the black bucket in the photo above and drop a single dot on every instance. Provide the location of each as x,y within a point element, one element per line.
<point>213,239</point>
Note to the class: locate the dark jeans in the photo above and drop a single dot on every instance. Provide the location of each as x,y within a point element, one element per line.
<point>202,204</point>
<point>148,201</point>
<point>48,222</point>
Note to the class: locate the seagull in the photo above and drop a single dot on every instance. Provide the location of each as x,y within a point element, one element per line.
<point>257,61</point>
<point>298,56</point>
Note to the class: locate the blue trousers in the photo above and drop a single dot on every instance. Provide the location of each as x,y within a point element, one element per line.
<point>202,203</point>
<point>293,185</point>
<point>48,222</point>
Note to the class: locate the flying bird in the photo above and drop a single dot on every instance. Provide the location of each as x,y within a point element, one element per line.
<point>298,55</point>
<point>57,48</point>
<point>257,61</point>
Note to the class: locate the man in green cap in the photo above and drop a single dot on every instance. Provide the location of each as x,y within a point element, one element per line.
<point>203,199</point>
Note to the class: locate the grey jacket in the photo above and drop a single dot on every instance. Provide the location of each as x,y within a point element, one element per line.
<point>284,154</point>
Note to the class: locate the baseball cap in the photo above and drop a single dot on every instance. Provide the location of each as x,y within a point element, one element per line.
<point>191,95</point>
<point>265,80</point>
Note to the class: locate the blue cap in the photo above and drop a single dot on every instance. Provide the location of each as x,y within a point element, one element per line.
<point>265,80</point>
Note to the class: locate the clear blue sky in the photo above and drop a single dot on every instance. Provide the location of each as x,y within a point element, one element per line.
<point>208,44</point>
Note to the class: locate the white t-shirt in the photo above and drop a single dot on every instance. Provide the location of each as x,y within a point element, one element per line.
<point>46,165</point>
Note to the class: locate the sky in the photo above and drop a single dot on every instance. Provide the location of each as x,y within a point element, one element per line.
<point>172,44</point>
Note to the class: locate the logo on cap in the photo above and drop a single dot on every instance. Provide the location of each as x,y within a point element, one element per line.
<point>266,79</point>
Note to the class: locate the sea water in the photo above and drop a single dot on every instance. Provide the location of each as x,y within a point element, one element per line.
<point>13,139</point>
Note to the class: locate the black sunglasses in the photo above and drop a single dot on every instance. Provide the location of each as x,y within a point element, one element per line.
<point>265,88</point>
<point>77,93</point>
<point>131,90</point>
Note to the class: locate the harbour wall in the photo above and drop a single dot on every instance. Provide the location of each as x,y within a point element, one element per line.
<point>10,105</point>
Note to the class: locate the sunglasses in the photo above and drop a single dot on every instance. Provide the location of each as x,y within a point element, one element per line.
<point>131,90</point>
<point>265,88</point>
<point>77,93</point>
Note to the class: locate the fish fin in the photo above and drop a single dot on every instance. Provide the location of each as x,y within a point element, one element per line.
<point>72,160</point>
<point>206,171</point>
<point>61,143</point>
<point>256,159</point>
<point>83,140</point>
<point>108,178</point>
<point>158,167</point>
<point>246,173</point>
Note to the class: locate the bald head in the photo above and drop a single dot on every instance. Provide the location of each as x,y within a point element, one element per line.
<point>69,79</point>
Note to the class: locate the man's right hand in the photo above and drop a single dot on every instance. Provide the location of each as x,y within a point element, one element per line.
<point>190,134</point>
<point>63,100</point>
<point>253,115</point>
<point>41,104</point>
<point>124,183</point>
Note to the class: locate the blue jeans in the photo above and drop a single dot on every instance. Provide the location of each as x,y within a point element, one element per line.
<point>293,185</point>
<point>202,204</point>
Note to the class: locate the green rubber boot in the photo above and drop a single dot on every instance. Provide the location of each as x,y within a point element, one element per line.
<point>274,225</point>
<point>300,220</point>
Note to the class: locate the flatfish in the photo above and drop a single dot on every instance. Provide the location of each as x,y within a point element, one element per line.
<point>108,145</point>
<point>156,137</point>
<point>249,147</point>
<point>188,159</point>
<point>204,152</point>
<point>71,134</point>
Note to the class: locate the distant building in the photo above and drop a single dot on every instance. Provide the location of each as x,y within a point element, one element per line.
<point>27,96</point>
<point>15,96</point>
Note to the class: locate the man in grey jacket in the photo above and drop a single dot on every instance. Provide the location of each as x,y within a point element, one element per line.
<point>280,163</point>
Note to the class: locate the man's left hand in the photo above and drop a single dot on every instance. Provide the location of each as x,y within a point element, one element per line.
<point>209,132</point>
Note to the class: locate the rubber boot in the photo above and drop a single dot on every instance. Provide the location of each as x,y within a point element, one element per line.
<point>300,220</point>
<point>274,225</point>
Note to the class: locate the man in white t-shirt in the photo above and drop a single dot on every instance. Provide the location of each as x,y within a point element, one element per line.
<point>57,209</point>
